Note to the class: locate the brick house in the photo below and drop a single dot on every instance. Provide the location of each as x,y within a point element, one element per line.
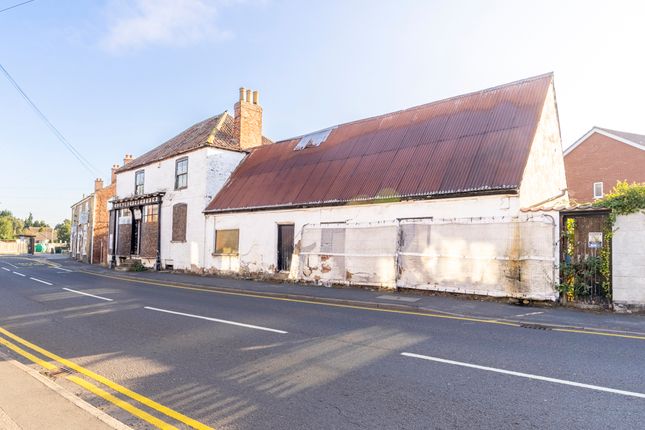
<point>157,217</point>
<point>599,159</point>
<point>90,218</point>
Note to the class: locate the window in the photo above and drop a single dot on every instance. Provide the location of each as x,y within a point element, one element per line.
<point>227,241</point>
<point>151,213</point>
<point>179,215</point>
<point>597,190</point>
<point>138,182</point>
<point>181,173</point>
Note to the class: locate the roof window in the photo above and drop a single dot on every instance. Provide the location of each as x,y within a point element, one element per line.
<point>313,139</point>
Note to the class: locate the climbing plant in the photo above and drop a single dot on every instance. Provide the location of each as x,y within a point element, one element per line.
<point>624,199</point>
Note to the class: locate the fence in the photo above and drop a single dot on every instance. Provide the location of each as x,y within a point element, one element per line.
<point>508,257</point>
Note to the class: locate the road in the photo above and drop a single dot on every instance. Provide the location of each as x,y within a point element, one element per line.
<point>192,357</point>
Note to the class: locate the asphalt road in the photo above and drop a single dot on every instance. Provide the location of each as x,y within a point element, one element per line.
<point>243,362</point>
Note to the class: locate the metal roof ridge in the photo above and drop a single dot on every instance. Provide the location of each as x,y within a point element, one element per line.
<point>412,108</point>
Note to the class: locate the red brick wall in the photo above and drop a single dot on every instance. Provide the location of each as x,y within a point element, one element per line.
<point>101,221</point>
<point>602,159</point>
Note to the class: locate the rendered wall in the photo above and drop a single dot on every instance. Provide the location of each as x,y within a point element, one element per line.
<point>544,175</point>
<point>208,170</point>
<point>628,260</point>
<point>487,247</point>
<point>259,236</point>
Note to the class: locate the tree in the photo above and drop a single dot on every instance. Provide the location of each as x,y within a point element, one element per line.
<point>6,228</point>
<point>64,230</point>
<point>29,221</point>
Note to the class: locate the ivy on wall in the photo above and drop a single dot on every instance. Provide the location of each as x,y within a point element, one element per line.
<point>624,199</point>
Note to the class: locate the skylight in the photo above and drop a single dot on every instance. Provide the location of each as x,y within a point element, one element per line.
<point>313,139</point>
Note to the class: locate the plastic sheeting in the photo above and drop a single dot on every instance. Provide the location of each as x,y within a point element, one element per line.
<point>501,257</point>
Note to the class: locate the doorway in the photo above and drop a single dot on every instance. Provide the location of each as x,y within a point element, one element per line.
<point>135,239</point>
<point>285,246</point>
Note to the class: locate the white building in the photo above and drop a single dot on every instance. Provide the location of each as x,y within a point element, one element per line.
<point>161,195</point>
<point>429,197</point>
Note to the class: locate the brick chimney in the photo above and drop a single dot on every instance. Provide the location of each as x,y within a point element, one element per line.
<point>98,184</point>
<point>113,177</point>
<point>248,119</point>
<point>127,158</point>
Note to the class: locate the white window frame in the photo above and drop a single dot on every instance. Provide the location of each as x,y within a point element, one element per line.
<point>602,190</point>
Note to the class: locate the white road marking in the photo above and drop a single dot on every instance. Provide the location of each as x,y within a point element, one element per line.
<point>88,294</point>
<point>19,274</point>
<point>61,268</point>
<point>8,270</point>
<point>529,314</point>
<point>217,320</point>
<point>526,375</point>
<point>41,281</point>
<point>15,267</point>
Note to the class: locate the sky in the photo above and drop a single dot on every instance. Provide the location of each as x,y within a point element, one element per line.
<point>117,76</point>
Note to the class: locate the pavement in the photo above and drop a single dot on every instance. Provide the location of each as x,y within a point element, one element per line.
<point>29,400</point>
<point>206,352</point>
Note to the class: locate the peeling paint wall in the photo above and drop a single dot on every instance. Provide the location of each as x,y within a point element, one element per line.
<point>628,260</point>
<point>470,245</point>
<point>544,175</point>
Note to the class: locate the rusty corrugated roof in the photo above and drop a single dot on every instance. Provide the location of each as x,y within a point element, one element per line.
<point>216,131</point>
<point>473,143</point>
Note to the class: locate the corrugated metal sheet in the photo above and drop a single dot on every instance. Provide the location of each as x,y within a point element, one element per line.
<point>478,142</point>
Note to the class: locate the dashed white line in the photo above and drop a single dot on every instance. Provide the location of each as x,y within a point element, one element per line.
<point>88,294</point>
<point>41,281</point>
<point>19,274</point>
<point>217,320</point>
<point>8,270</point>
<point>12,265</point>
<point>529,314</point>
<point>526,375</point>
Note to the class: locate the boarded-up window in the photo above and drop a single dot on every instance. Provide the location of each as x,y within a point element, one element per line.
<point>332,240</point>
<point>179,215</point>
<point>415,238</point>
<point>227,241</point>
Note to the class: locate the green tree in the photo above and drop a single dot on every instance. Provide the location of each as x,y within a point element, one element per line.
<point>29,221</point>
<point>6,228</point>
<point>64,230</point>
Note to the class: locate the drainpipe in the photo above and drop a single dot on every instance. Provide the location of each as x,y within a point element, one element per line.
<point>158,261</point>
<point>113,259</point>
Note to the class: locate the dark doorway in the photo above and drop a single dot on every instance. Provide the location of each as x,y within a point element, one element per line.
<point>285,246</point>
<point>136,231</point>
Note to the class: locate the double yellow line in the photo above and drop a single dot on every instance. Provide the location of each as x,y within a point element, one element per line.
<point>89,386</point>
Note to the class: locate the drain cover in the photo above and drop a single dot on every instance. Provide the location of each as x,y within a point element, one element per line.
<point>535,326</point>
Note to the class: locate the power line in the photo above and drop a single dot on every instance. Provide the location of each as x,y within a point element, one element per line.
<point>16,5</point>
<point>51,126</point>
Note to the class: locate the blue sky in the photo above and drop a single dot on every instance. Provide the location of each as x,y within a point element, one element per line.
<point>120,76</point>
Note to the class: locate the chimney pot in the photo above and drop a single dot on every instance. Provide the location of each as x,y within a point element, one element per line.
<point>248,119</point>
<point>98,184</point>
<point>113,177</point>
<point>127,158</point>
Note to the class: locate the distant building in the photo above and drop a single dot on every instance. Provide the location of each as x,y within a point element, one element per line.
<point>161,195</point>
<point>600,159</point>
<point>89,238</point>
<point>40,234</point>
